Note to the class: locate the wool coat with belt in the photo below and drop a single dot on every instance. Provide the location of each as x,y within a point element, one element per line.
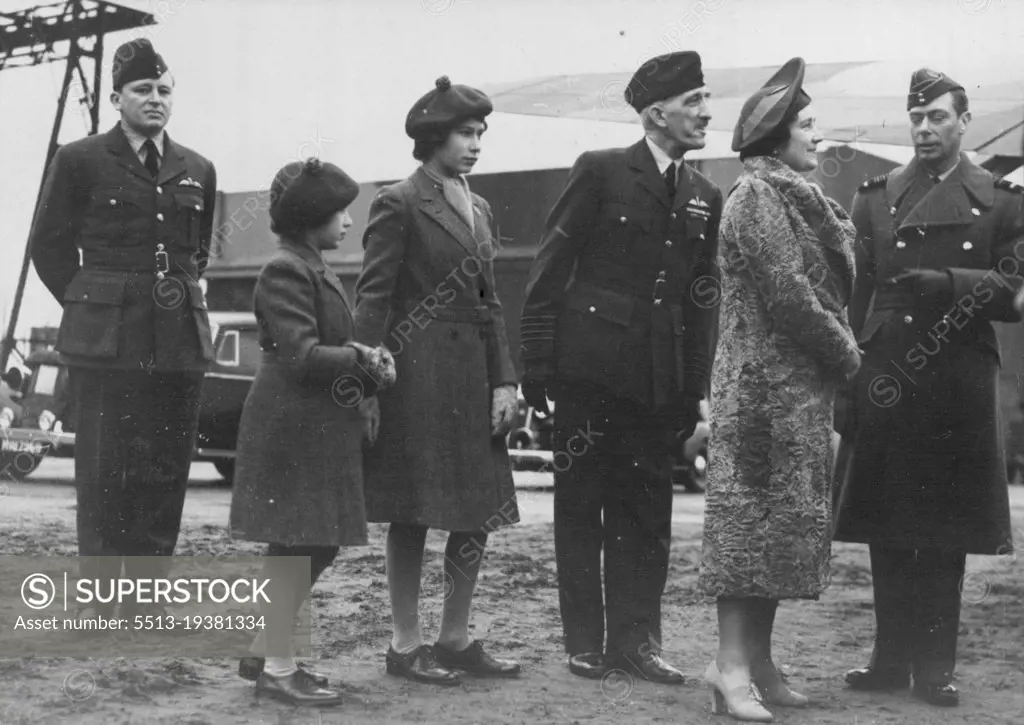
<point>103,229</point>
<point>923,437</point>
<point>299,472</point>
<point>427,293</point>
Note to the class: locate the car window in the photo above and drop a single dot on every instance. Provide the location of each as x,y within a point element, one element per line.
<point>46,380</point>
<point>250,353</point>
<point>227,351</point>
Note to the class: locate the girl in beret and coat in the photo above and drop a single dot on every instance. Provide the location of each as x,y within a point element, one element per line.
<point>784,348</point>
<point>440,459</point>
<point>298,477</point>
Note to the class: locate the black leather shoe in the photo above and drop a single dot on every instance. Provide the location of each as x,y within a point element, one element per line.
<point>250,668</point>
<point>652,668</point>
<point>420,665</point>
<point>475,661</point>
<point>869,679</point>
<point>588,664</point>
<point>296,689</point>
<point>940,695</point>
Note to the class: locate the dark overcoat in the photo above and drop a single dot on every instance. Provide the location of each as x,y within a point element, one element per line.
<point>299,473</point>
<point>615,242</point>
<point>927,467</point>
<point>101,223</point>
<point>427,292</point>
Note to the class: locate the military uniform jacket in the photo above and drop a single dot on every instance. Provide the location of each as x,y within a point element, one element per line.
<point>103,231</point>
<point>927,465</point>
<point>623,291</point>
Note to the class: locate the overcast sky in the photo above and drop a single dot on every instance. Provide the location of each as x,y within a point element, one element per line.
<point>269,76</point>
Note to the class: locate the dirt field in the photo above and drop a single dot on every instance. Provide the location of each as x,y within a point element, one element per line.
<point>517,611</point>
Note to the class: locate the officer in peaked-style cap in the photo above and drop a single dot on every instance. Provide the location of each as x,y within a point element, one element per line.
<point>614,331</point>
<point>925,482</point>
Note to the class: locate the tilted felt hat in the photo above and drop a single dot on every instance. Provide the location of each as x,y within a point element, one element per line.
<point>926,85</point>
<point>444,106</point>
<point>135,60</point>
<point>306,194</point>
<point>762,113</point>
<point>664,77</point>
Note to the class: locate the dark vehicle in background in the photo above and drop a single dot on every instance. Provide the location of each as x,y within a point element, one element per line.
<point>227,383</point>
<point>36,420</point>
<point>530,447</point>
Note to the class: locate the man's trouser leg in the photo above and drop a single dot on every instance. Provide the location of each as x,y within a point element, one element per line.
<point>937,614</point>
<point>892,575</point>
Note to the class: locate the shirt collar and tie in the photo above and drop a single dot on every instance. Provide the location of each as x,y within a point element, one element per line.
<point>149,150</point>
<point>667,167</point>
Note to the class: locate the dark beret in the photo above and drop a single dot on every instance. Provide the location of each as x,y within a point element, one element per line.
<point>306,194</point>
<point>445,106</point>
<point>926,85</point>
<point>664,77</point>
<point>779,98</point>
<point>136,60</point>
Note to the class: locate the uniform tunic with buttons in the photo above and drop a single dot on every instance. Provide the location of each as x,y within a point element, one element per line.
<point>123,253</point>
<point>923,436</point>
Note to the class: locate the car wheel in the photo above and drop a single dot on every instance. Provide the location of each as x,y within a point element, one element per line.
<point>18,467</point>
<point>226,468</point>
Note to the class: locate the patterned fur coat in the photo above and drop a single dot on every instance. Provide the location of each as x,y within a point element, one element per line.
<point>784,346</point>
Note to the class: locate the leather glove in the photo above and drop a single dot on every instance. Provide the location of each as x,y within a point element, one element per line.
<point>932,285</point>
<point>378,363</point>
<point>535,393</point>
<point>504,406</point>
<point>688,418</point>
<point>369,408</point>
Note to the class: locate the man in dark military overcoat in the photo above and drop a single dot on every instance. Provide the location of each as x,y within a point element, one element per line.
<point>939,253</point>
<point>121,237</point>
<point>618,329</point>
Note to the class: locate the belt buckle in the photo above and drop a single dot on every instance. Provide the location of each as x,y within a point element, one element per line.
<point>162,263</point>
<point>658,283</point>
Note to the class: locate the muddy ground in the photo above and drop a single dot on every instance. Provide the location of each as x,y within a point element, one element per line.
<point>517,611</point>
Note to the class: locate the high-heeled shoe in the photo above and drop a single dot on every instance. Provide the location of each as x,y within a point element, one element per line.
<point>743,701</point>
<point>777,692</point>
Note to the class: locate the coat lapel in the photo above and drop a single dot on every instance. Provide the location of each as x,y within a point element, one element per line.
<point>173,164</point>
<point>951,202</point>
<point>435,206</point>
<point>315,260</point>
<point>118,145</point>
<point>641,161</point>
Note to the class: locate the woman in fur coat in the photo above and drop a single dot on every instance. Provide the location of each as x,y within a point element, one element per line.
<point>785,346</point>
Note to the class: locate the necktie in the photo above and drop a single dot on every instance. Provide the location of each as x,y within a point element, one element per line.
<point>152,162</point>
<point>670,180</point>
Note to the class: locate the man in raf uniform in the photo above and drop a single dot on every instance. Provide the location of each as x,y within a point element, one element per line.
<point>120,238</point>
<point>618,328</point>
<point>940,243</point>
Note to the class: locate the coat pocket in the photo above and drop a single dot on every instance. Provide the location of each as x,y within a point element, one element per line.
<point>189,208</point>
<point>202,319</point>
<point>93,310</point>
<point>593,333</point>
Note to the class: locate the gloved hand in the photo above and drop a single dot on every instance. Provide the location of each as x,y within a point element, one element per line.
<point>689,417</point>
<point>504,406</point>
<point>535,393</point>
<point>933,286</point>
<point>369,408</point>
<point>378,363</point>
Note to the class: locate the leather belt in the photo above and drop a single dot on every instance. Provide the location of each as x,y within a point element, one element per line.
<point>140,260</point>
